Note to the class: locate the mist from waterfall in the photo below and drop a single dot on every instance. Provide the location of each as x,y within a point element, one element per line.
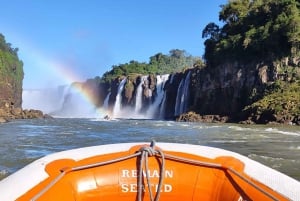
<point>46,100</point>
<point>76,105</point>
<point>61,102</point>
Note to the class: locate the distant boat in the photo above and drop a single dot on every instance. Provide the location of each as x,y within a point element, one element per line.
<point>138,171</point>
<point>106,117</point>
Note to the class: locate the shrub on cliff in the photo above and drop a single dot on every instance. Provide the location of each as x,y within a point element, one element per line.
<point>11,75</point>
<point>281,105</point>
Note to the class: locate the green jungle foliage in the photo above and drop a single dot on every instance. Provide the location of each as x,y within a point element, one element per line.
<point>283,98</point>
<point>254,30</point>
<point>11,68</point>
<point>175,61</point>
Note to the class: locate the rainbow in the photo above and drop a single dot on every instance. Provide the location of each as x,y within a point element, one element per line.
<point>62,72</point>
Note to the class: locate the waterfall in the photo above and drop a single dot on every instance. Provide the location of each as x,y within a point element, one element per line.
<point>106,100</point>
<point>163,107</point>
<point>183,95</point>
<point>178,98</point>
<point>139,95</point>
<point>47,100</point>
<point>155,106</point>
<point>172,78</point>
<point>118,103</point>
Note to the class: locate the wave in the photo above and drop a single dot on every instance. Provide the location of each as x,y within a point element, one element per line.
<point>229,141</point>
<point>294,147</point>
<point>275,130</point>
<point>3,172</point>
<point>273,162</point>
<point>239,128</point>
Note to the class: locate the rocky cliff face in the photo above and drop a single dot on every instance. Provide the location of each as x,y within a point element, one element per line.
<point>221,94</point>
<point>227,89</point>
<point>11,79</point>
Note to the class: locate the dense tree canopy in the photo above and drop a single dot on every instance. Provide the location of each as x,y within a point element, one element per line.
<point>4,46</point>
<point>254,29</point>
<point>10,65</point>
<point>160,63</point>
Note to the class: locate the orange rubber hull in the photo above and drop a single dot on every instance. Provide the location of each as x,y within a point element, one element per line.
<point>185,177</point>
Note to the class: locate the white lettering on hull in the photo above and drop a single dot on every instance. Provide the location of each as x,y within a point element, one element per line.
<point>132,187</point>
<point>151,173</point>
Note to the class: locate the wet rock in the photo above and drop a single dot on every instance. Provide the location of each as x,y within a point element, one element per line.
<point>194,117</point>
<point>3,120</point>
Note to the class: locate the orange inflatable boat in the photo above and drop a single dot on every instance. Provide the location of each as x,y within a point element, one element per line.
<point>156,172</point>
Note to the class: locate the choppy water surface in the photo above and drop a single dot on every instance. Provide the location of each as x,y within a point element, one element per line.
<point>23,141</point>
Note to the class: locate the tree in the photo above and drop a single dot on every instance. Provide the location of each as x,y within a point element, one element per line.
<point>211,31</point>
<point>175,61</point>
<point>256,29</point>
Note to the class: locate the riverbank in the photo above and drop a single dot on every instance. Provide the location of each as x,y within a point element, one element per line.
<point>271,119</point>
<point>8,113</point>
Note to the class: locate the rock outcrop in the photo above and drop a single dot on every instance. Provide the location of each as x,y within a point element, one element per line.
<point>11,79</point>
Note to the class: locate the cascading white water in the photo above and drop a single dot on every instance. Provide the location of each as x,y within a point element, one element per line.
<point>155,106</point>
<point>163,107</point>
<point>163,104</point>
<point>185,96</point>
<point>67,101</point>
<point>106,101</point>
<point>118,103</point>
<point>172,78</point>
<point>182,95</point>
<point>178,97</point>
<point>139,95</point>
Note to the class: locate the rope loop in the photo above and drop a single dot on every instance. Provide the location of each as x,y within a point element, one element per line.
<point>147,151</point>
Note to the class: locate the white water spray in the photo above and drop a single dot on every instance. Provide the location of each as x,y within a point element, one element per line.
<point>106,101</point>
<point>154,108</point>
<point>46,100</point>
<point>118,103</point>
<point>182,97</point>
<point>139,95</point>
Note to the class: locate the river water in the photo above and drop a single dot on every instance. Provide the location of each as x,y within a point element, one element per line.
<point>23,141</point>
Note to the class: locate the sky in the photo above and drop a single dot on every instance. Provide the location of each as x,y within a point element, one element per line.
<point>62,41</point>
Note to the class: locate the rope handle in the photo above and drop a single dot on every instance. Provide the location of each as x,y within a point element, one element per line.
<point>145,153</point>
